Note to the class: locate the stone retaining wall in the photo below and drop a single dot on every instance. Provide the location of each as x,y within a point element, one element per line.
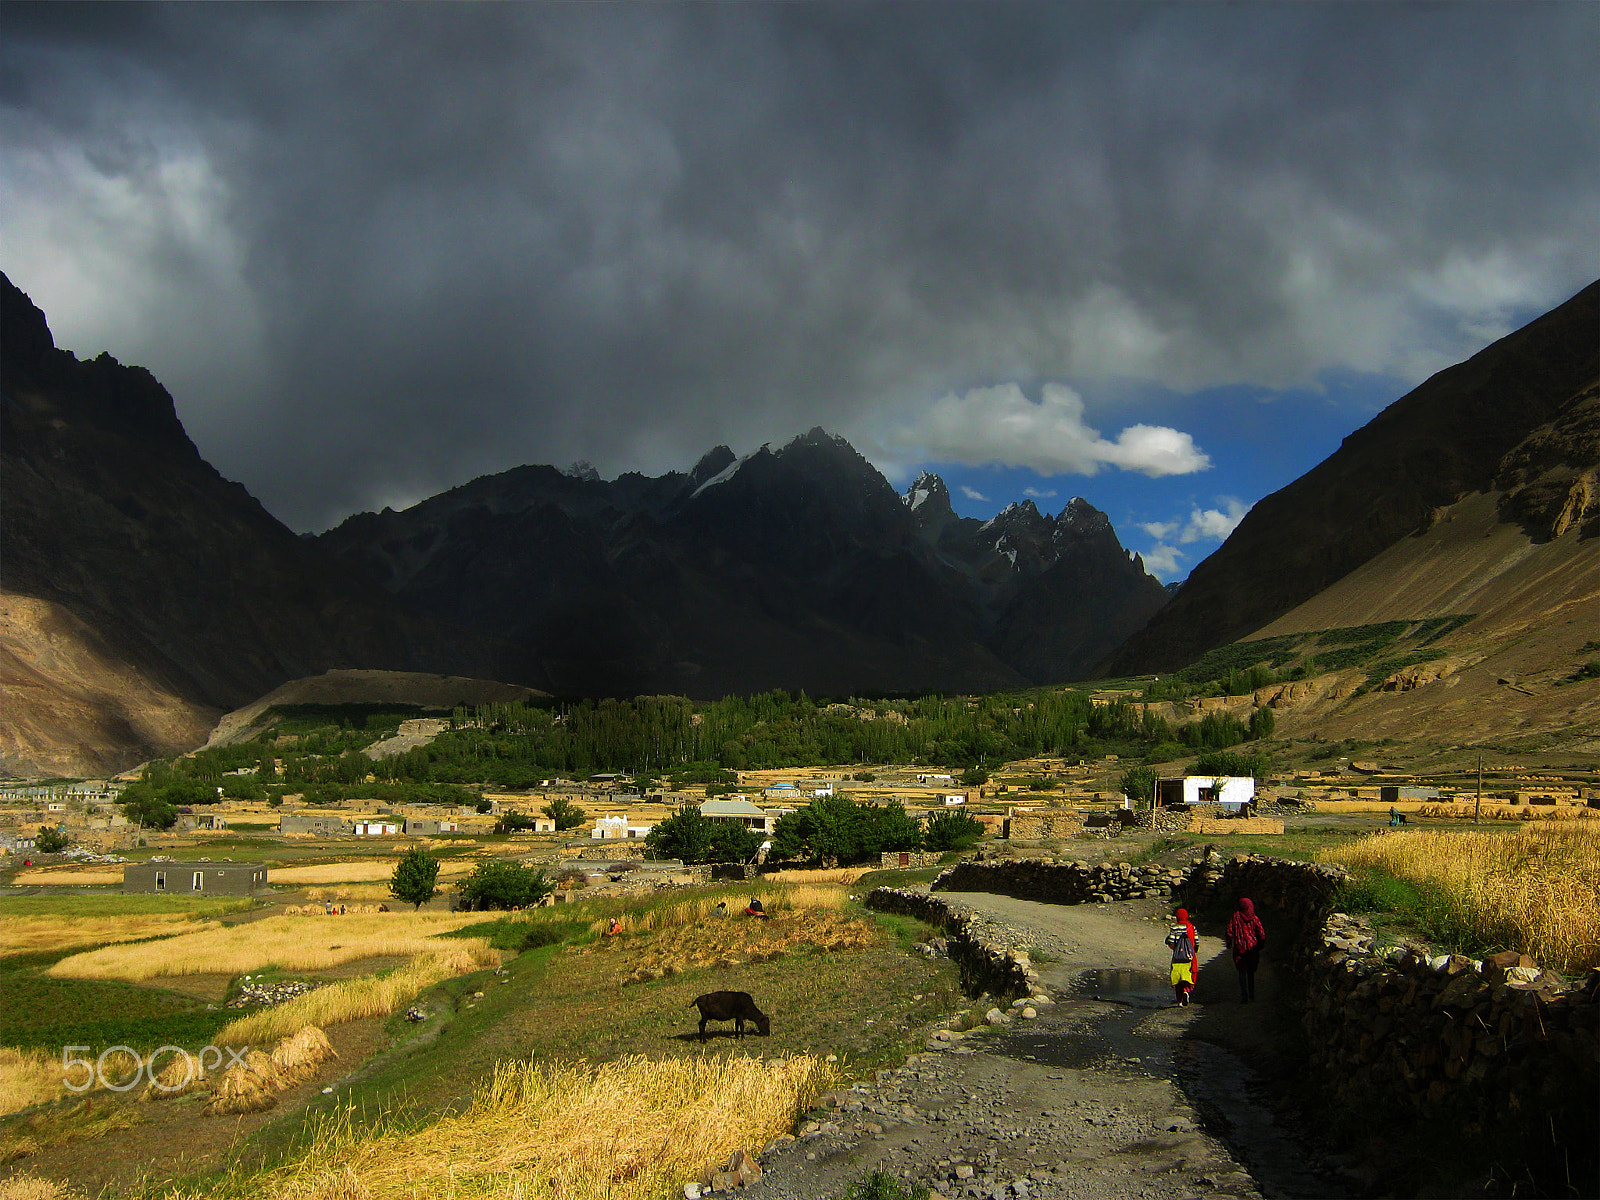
<point>1498,1051</point>
<point>1494,1051</point>
<point>890,859</point>
<point>1060,883</point>
<point>978,945</point>
<point>1199,824</point>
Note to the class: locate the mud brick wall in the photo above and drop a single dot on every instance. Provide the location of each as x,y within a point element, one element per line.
<point>980,946</point>
<point>1060,883</point>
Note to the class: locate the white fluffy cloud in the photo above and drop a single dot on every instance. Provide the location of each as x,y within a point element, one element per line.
<point>1040,493</point>
<point>1165,560</point>
<point>972,493</point>
<point>1001,425</point>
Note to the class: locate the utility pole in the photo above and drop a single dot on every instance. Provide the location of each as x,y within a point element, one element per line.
<point>1477,808</point>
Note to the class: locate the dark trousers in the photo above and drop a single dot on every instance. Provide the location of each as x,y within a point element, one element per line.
<point>1247,964</point>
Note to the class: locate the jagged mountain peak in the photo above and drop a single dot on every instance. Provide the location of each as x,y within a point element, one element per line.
<point>712,463</point>
<point>927,496</point>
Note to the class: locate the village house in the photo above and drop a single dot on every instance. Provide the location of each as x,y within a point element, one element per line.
<point>194,879</point>
<point>428,825</point>
<point>740,811</point>
<point>1230,792</point>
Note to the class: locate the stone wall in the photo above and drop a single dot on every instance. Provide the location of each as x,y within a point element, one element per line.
<point>1498,1051</point>
<point>979,946</point>
<point>1060,883</point>
<point>890,859</point>
<point>1494,1052</point>
<point>1200,824</point>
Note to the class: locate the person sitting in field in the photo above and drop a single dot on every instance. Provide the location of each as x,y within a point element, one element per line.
<point>615,927</point>
<point>721,910</point>
<point>754,908</point>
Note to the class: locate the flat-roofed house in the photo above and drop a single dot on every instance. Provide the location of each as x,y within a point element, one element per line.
<point>194,878</point>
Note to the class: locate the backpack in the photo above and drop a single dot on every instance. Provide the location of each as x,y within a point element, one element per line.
<point>1182,947</point>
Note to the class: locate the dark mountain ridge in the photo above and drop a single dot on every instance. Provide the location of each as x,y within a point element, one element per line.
<point>796,567</point>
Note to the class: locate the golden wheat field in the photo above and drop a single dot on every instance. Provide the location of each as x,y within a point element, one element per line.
<point>628,1130</point>
<point>1535,888</point>
<point>843,875</point>
<point>369,871</point>
<point>25,935</point>
<point>31,1187</point>
<point>288,943</point>
<point>699,907</point>
<point>68,876</point>
<point>353,999</point>
<point>1500,811</point>
<point>735,941</point>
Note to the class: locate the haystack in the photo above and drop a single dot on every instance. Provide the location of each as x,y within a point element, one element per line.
<point>251,1086</point>
<point>299,1055</point>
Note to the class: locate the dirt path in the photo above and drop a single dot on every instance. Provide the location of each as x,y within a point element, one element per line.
<point>1111,1092</point>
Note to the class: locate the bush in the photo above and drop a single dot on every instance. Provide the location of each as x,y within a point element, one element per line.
<point>51,841</point>
<point>974,777</point>
<point>880,1185</point>
<point>513,822</point>
<point>952,831</point>
<point>505,885</point>
<point>1139,784</point>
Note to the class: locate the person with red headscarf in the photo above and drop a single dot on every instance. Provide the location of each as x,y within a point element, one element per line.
<point>1185,943</point>
<point>1245,936</point>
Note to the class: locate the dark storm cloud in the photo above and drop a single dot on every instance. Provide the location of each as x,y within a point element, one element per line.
<point>378,249</point>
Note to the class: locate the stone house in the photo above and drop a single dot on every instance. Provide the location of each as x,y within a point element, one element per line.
<point>194,878</point>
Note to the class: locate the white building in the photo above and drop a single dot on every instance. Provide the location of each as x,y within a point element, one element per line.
<point>376,828</point>
<point>951,801</point>
<point>618,827</point>
<point>1226,790</point>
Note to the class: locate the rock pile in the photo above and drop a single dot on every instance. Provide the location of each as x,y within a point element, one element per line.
<point>253,993</point>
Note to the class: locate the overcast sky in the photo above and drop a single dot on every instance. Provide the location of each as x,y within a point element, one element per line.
<point>1161,256</point>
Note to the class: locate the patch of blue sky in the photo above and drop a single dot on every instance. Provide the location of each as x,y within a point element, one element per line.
<point>1258,440</point>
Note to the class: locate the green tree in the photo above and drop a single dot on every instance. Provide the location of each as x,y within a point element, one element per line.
<point>415,877</point>
<point>732,842</point>
<point>1233,765</point>
<point>564,813</point>
<point>144,806</point>
<point>974,777</point>
<point>685,835</point>
<point>51,840</point>
<point>513,822</point>
<point>1262,722</point>
<point>483,806</point>
<point>1139,784</point>
<point>504,884</point>
<point>952,830</point>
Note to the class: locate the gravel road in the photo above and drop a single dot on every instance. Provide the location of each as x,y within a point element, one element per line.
<point>1095,1098</point>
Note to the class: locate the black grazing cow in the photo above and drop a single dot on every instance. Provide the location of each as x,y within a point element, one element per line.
<point>737,1007</point>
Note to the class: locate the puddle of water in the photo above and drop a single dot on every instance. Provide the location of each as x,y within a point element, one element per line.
<point>1127,985</point>
<point>1053,1050</point>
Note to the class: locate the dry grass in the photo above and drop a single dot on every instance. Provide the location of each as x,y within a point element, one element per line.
<point>31,1187</point>
<point>68,876</point>
<point>353,999</point>
<point>733,942</point>
<point>844,875</point>
<point>289,943</point>
<point>1500,811</point>
<point>368,893</point>
<point>28,1077</point>
<point>699,907</point>
<point>369,870</point>
<point>25,935</point>
<point>1535,889</point>
<point>627,1130</point>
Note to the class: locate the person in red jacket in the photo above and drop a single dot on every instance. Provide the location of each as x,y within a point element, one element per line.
<point>1245,936</point>
<point>1185,944</point>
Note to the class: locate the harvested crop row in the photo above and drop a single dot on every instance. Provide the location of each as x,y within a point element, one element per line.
<point>354,999</point>
<point>289,943</point>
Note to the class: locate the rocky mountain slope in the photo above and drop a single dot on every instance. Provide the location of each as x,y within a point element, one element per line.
<point>1516,422</point>
<point>797,567</point>
<point>144,592</point>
